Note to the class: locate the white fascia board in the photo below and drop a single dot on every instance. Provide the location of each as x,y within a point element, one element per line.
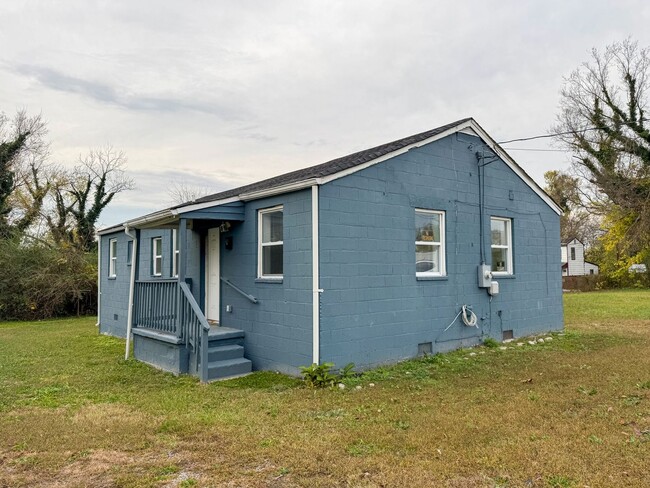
<point>278,190</point>
<point>465,127</point>
<point>200,206</point>
<point>393,154</point>
<point>151,219</point>
<point>111,230</point>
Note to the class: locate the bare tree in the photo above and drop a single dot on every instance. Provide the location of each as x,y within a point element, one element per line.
<point>183,192</point>
<point>82,194</point>
<point>602,120</point>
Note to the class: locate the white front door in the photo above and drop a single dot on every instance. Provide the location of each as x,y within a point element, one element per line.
<point>212,276</point>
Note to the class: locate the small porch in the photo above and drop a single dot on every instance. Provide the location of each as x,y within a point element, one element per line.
<point>176,321</point>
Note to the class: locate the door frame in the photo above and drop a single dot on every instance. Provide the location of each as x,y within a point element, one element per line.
<point>213,289</point>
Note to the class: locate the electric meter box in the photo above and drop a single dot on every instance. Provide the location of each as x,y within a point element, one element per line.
<point>484,276</point>
<point>494,288</point>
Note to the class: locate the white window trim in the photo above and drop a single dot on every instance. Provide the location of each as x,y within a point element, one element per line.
<point>176,253</point>
<point>261,245</point>
<point>154,257</point>
<point>441,244</point>
<point>112,258</point>
<point>509,268</point>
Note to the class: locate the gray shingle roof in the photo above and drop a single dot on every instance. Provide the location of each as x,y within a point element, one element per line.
<point>328,168</point>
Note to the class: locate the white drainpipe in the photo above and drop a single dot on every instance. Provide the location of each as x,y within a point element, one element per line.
<point>129,315</point>
<point>315,258</point>
<point>99,279</point>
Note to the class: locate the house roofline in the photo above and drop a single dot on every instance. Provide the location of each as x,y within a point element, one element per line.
<point>566,243</point>
<point>111,230</point>
<point>170,214</point>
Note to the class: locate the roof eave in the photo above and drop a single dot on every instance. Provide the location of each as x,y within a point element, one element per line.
<point>169,215</point>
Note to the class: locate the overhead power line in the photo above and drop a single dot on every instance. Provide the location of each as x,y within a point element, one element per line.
<point>534,149</point>
<point>546,136</point>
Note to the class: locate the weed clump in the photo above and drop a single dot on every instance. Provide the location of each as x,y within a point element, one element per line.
<point>322,375</point>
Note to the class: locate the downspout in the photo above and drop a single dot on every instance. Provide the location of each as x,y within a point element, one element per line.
<point>99,279</point>
<point>316,291</point>
<point>129,319</point>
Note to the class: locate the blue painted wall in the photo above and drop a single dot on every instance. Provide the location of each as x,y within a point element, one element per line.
<point>115,291</point>
<point>374,310</point>
<point>279,327</point>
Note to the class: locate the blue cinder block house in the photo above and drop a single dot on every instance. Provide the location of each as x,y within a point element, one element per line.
<point>421,245</point>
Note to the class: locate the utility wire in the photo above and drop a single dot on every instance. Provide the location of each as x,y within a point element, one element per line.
<point>534,149</point>
<point>545,136</point>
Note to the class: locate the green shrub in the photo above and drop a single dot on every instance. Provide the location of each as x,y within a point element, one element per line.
<point>347,372</point>
<point>491,343</point>
<point>39,281</point>
<point>321,375</point>
<point>318,375</point>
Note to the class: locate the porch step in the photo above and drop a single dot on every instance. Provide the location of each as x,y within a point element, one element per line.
<point>224,333</point>
<point>223,353</point>
<point>219,370</point>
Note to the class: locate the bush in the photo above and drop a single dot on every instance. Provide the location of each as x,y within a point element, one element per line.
<point>39,281</point>
<point>318,375</point>
<point>321,375</point>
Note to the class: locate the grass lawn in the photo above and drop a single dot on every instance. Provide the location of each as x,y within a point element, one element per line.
<point>572,412</point>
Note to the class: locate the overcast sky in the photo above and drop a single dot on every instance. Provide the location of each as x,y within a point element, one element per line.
<point>220,94</point>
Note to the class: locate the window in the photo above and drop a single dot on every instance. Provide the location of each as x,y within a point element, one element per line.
<point>112,258</point>
<point>176,253</point>
<point>573,254</point>
<point>270,249</point>
<point>501,245</point>
<point>156,256</point>
<point>129,253</point>
<point>429,243</point>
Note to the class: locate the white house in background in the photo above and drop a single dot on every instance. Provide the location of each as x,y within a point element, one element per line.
<point>573,260</point>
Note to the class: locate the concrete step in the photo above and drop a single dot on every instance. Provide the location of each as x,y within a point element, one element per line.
<point>219,370</point>
<point>222,353</point>
<point>237,341</point>
<point>223,333</point>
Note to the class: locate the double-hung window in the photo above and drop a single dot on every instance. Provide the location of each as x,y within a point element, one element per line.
<point>501,231</point>
<point>156,256</point>
<point>430,243</point>
<point>176,253</point>
<point>112,258</point>
<point>271,244</point>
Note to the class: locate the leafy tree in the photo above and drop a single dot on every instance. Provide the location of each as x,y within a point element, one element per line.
<point>602,120</point>
<point>40,281</point>
<point>576,221</point>
<point>48,214</point>
<point>22,152</point>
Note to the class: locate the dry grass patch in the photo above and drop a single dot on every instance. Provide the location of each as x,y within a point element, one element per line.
<point>572,412</point>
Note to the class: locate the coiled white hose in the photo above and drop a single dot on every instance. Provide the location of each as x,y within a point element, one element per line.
<point>469,320</point>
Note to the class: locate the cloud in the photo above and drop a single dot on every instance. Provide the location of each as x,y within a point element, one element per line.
<point>104,93</point>
<point>225,93</point>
